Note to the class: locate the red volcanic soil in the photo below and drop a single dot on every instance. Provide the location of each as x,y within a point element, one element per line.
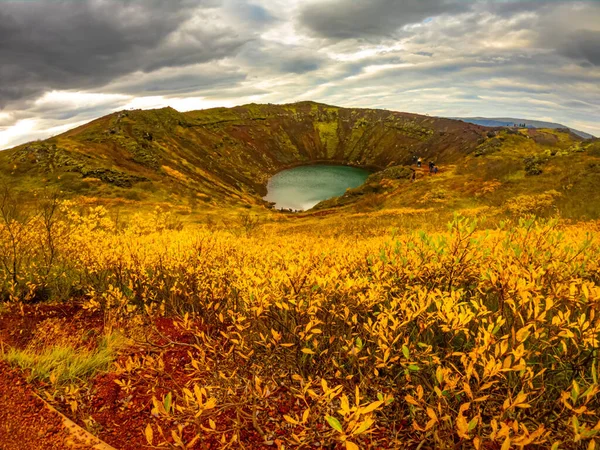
<point>119,414</point>
<point>25,422</point>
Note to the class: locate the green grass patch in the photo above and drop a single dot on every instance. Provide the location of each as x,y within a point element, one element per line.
<point>62,364</point>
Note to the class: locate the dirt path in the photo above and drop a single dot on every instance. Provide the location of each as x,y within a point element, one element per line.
<point>27,424</point>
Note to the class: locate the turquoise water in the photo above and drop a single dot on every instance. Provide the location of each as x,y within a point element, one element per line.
<point>303,187</point>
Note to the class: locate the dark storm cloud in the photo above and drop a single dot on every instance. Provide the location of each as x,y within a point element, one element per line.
<point>177,80</point>
<point>280,58</point>
<point>507,8</point>
<point>583,45</point>
<point>300,65</point>
<point>70,44</point>
<point>373,19</point>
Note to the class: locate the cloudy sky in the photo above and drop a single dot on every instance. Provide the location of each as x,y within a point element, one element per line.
<point>65,62</point>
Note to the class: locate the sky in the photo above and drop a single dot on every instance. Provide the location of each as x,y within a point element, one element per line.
<point>66,62</point>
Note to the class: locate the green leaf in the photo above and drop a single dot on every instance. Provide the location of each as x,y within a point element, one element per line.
<point>575,392</point>
<point>364,426</point>
<point>335,424</point>
<point>472,424</point>
<point>413,367</point>
<point>405,351</point>
<point>359,343</point>
<point>576,424</point>
<point>167,402</point>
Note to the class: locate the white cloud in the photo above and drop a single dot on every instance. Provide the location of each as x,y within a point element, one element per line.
<point>30,129</point>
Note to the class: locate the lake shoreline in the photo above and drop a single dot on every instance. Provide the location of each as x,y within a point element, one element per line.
<point>301,187</point>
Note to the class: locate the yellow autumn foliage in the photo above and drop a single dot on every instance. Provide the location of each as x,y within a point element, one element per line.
<point>485,337</point>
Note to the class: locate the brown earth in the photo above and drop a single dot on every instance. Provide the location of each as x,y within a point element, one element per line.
<point>25,422</point>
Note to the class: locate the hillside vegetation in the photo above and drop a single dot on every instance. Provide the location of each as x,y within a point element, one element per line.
<point>200,161</point>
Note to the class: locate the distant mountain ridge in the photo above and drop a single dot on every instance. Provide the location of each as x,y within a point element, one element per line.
<point>509,122</point>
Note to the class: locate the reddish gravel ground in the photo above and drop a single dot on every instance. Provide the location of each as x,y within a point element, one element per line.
<point>25,422</point>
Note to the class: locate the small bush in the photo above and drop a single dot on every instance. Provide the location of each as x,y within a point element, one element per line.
<point>532,204</point>
<point>533,164</point>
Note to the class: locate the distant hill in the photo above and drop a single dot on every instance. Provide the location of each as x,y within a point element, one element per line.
<point>226,154</point>
<point>509,122</point>
<point>222,159</point>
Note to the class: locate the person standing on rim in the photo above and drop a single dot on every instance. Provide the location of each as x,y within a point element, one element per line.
<point>419,162</point>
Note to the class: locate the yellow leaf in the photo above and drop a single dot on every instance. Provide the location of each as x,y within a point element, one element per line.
<point>305,415</point>
<point>439,375</point>
<point>521,397</point>
<point>431,413</point>
<point>462,426</point>
<point>212,424</point>
<point>307,351</point>
<point>351,446</point>
<point>410,399</point>
<point>372,407</point>
<point>149,434</point>
<point>289,419</point>
<point>523,333</point>
<point>430,424</point>
<point>345,405</point>
<point>506,444</point>
<point>467,390</point>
